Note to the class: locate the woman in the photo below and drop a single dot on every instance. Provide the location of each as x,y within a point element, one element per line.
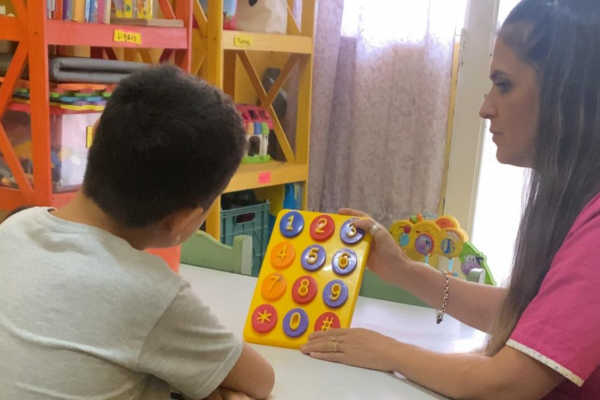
<point>544,109</point>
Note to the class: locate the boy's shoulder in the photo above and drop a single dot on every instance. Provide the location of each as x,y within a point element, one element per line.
<point>87,252</point>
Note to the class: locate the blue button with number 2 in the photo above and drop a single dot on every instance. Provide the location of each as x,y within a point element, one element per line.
<point>292,224</point>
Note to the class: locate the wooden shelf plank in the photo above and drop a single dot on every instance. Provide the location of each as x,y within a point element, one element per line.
<point>10,198</point>
<point>11,29</point>
<point>61,199</point>
<point>53,110</point>
<point>252,176</point>
<point>69,33</point>
<point>267,42</point>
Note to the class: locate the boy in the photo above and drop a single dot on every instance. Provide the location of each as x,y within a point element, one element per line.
<point>84,312</point>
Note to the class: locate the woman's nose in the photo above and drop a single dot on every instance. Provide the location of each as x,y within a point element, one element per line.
<point>488,109</point>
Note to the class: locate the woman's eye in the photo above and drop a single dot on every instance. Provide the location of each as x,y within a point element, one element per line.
<point>503,86</point>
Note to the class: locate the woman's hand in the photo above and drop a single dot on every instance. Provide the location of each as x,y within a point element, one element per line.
<point>387,259</point>
<point>226,394</point>
<point>357,347</point>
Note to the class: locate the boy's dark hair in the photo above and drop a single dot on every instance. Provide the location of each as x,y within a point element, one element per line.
<point>166,142</point>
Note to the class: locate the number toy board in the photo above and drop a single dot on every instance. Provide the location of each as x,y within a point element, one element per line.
<point>310,278</point>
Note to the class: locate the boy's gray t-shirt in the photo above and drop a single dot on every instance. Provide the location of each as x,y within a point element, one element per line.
<point>83,315</point>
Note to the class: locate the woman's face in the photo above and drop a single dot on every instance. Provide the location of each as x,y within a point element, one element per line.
<point>512,106</point>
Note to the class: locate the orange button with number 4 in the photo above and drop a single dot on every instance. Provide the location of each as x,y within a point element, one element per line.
<point>273,286</point>
<point>283,255</point>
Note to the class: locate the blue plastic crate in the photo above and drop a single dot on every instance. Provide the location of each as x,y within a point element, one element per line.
<point>251,221</point>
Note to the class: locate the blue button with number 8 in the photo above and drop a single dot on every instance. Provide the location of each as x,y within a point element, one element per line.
<point>291,224</point>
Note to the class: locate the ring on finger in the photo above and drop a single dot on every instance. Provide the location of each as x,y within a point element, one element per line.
<point>335,347</point>
<point>334,338</point>
<point>374,229</point>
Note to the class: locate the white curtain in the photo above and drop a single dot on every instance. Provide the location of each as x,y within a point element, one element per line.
<point>382,74</point>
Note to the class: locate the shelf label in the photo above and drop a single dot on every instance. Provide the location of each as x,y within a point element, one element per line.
<point>243,41</point>
<point>127,37</point>
<point>264,178</point>
<point>89,136</point>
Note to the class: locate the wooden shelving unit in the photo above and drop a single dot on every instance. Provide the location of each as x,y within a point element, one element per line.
<point>34,33</point>
<point>251,176</point>
<point>215,54</point>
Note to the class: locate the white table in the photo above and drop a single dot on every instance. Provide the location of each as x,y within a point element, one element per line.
<point>299,377</point>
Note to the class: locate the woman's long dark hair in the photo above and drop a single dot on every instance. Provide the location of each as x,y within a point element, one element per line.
<point>560,39</point>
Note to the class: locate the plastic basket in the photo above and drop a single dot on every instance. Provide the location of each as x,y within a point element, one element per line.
<point>251,221</point>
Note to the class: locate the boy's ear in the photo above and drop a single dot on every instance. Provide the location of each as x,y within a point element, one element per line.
<point>182,222</point>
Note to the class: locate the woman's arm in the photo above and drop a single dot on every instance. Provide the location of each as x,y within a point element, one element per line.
<point>470,303</point>
<point>508,375</point>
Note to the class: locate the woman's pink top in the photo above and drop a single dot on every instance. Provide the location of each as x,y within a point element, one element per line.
<point>561,326</point>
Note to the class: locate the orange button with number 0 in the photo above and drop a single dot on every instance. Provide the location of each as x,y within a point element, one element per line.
<point>273,286</point>
<point>283,255</point>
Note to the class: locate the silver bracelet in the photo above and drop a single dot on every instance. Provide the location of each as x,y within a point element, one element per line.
<point>439,314</point>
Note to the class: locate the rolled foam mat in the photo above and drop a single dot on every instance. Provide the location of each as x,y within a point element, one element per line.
<point>76,69</point>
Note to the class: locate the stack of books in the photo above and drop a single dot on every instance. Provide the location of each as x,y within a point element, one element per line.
<point>100,11</point>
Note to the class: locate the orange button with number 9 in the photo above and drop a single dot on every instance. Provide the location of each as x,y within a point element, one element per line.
<point>273,286</point>
<point>322,228</point>
<point>283,255</point>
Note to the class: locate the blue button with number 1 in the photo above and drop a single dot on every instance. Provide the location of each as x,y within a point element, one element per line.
<point>291,224</point>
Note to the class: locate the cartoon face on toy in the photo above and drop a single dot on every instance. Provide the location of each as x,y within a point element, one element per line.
<point>424,244</point>
<point>471,262</point>
<point>427,236</point>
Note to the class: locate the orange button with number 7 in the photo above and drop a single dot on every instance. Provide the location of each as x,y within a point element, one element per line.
<point>283,255</point>
<point>273,286</point>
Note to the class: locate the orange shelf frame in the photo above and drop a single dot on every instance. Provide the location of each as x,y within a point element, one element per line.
<point>10,29</point>
<point>69,33</point>
<point>11,198</point>
<point>34,33</point>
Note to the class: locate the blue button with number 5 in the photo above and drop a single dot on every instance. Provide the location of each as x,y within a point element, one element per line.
<point>291,224</point>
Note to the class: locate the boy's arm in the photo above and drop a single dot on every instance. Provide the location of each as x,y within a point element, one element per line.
<point>252,375</point>
<point>189,349</point>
